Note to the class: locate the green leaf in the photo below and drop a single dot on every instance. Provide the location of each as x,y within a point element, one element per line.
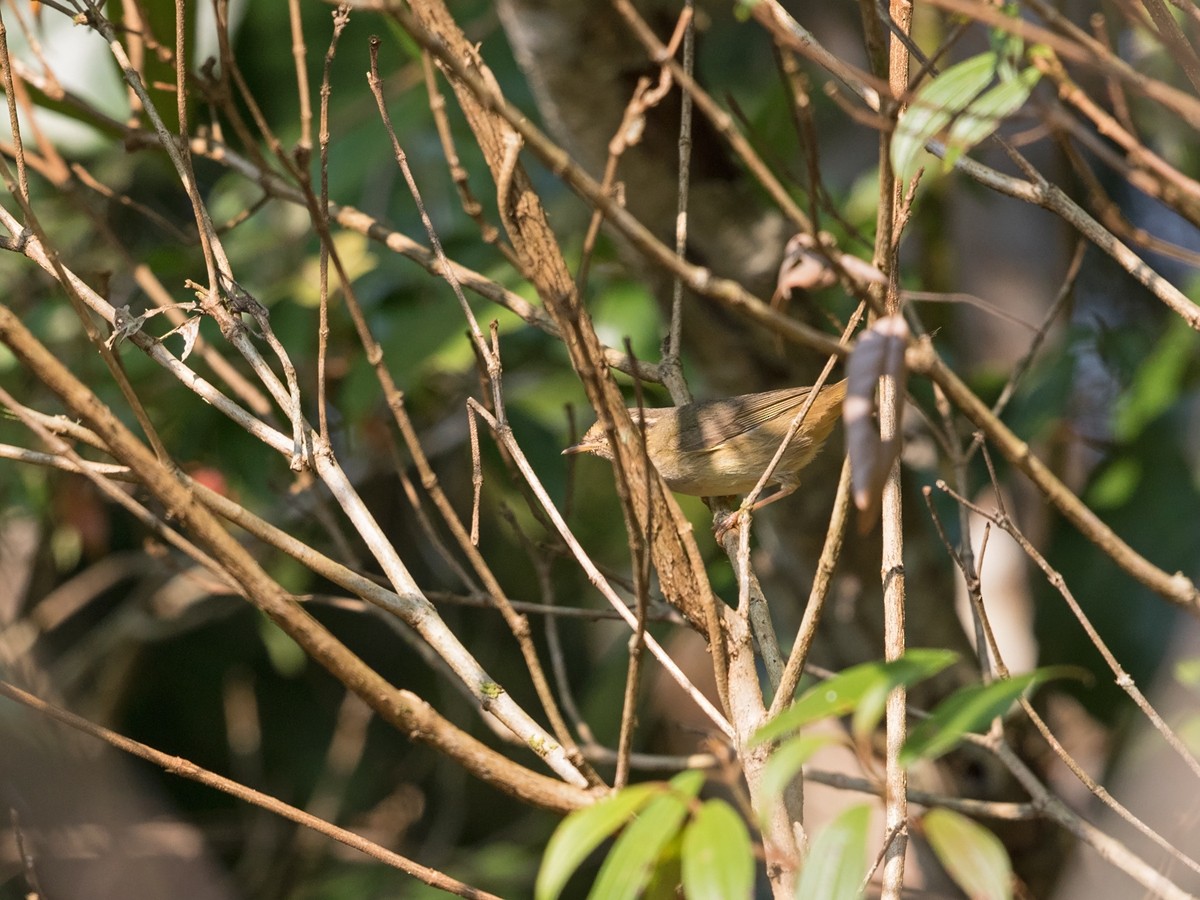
<point>1157,381</point>
<point>1116,483</point>
<point>837,862</point>
<point>934,106</point>
<point>1007,46</point>
<point>984,114</point>
<point>744,9</point>
<point>870,708</point>
<point>583,831</point>
<point>972,708</point>
<point>637,851</point>
<point>357,259</point>
<point>718,858</point>
<point>785,764</point>
<point>404,39</point>
<point>688,783</point>
<point>839,695</point>
<point>287,657</point>
<point>1187,671</point>
<point>666,876</point>
<point>1188,729</point>
<point>972,855</point>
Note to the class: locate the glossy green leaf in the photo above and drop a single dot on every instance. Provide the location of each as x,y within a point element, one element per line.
<point>972,855</point>
<point>583,831</point>
<point>785,764</point>
<point>837,861</point>
<point>987,111</point>
<point>972,708</point>
<point>636,853</point>
<point>718,857</point>
<point>935,106</point>
<point>841,694</point>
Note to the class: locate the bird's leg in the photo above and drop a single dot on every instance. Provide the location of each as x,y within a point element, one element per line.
<point>784,490</point>
<point>734,519</point>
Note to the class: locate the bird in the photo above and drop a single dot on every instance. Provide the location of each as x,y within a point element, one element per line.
<point>720,448</point>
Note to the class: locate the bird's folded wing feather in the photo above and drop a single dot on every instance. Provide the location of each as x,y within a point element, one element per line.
<point>718,422</point>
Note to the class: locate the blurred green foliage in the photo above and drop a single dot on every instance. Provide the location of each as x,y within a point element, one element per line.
<point>1146,487</point>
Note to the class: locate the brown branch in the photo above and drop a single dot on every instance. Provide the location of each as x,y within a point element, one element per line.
<point>889,227</point>
<point>720,119</point>
<point>185,769</point>
<point>677,560</point>
<point>1001,519</point>
<point>1177,587</point>
<point>1079,47</point>
<point>516,622</point>
<point>695,278</point>
<point>1173,187</point>
<point>822,579</point>
<point>402,709</point>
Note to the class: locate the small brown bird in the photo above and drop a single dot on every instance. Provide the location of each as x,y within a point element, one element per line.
<point>717,448</point>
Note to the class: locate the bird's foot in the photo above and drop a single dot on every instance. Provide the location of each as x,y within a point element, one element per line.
<point>731,523</point>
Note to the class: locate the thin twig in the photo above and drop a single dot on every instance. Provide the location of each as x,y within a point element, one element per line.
<point>304,145</point>
<point>822,579</point>
<point>671,362</point>
<point>13,124</point>
<point>639,552</point>
<point>1110,849</point>
<point>341,18</point>
<point>1123,680</point>
<point>458,173</point>
<point>964,555</point>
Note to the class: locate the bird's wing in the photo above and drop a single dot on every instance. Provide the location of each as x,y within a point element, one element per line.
<point>708,425</point>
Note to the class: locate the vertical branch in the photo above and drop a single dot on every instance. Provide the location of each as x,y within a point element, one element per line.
<point>341,17</point>
<point>458,172</point>
<point>304,146</point>
<point>892,568</point>
<point>10,96</point>
<point>640,554</point>
<point>964,556</point>
<point>672,373</point>
<point>179,154</point>
<point>181,67</point>
<point>822,579</point>
<point>139,39</point>
<point>890,223</point>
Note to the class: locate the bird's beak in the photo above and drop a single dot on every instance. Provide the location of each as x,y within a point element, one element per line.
<point>587,445</point>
